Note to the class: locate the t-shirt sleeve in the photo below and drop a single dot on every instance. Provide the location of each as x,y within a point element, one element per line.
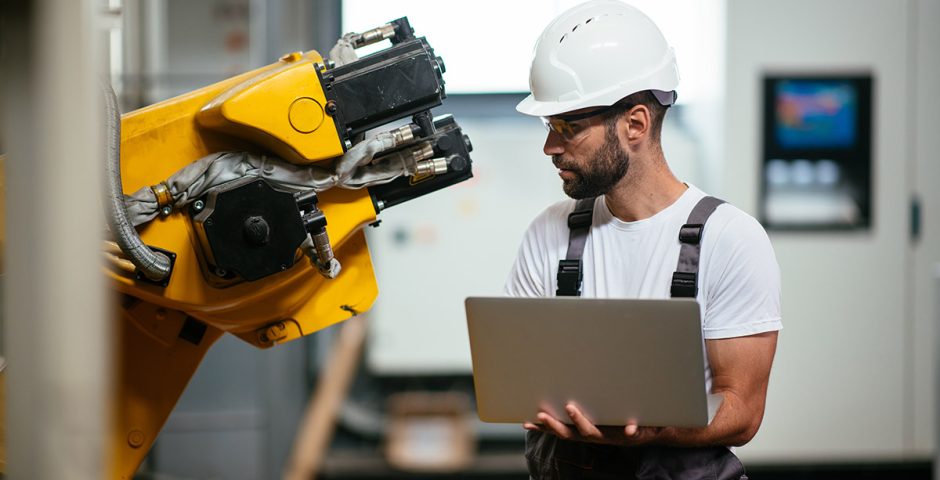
<point>744,297</point>
<point>525,277</point>
<point>532,273</point>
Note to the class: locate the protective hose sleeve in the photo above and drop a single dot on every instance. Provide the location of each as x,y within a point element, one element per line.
<point>353,170</point>
<point>344,52</point>
<point>153,265</point>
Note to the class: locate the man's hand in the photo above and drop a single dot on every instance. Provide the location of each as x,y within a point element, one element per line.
<point>585,431</point>
<point>740,372</point>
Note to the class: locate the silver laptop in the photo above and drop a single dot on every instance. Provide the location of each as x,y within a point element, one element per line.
<point>617,359</point>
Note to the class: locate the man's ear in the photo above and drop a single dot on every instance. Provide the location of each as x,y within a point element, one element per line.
<point>637,124</point>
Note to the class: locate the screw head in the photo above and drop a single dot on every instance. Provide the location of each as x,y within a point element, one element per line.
<point>166,210</point>
<point>198,205</point>
<point>135,438</point>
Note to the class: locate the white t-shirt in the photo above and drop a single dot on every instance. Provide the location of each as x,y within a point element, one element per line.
<point>738,281</point>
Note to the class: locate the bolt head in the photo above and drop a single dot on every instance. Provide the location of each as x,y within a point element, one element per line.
<point>198,205</point>
<point>135,438</point>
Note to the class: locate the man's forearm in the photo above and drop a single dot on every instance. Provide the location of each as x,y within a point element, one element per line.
<point>733,425</point>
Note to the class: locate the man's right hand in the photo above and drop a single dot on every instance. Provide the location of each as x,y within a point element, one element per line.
<point>585,431</point>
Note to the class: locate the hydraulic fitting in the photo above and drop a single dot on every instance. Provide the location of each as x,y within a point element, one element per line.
<point>374,36</point>
<point>435,166</point>
<point>403,134</point>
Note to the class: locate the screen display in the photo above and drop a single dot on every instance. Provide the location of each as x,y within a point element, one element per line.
<point>815,114</point>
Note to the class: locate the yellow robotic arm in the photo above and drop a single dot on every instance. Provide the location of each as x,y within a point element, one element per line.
<point>234,251</point>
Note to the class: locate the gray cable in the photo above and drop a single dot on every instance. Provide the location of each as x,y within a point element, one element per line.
<point>154,265</point>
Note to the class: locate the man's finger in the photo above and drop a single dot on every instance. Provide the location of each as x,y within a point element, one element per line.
<point>584,426</point>
<point>631,429</point>
<point>531,426</point>
<point>554,426</point>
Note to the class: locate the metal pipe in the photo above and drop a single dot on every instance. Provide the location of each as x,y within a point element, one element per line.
<point>154,265</point>
<point>58,329</point>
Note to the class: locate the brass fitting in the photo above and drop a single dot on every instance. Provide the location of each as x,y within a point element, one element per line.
<point>164,197</point>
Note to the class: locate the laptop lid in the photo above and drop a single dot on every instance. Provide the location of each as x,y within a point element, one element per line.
<point>617,359</point>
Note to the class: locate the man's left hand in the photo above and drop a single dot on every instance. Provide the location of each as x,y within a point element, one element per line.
<point>585,431</point>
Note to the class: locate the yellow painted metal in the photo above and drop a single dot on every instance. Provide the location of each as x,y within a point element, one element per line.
<point>282,108</point>
<point>153,368</point>
<point>250,112</point>
<point>163,138</point>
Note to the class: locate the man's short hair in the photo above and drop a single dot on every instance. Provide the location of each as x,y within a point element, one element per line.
<point>646,98</point>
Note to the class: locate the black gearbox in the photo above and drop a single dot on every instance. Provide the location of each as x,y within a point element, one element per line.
<point>247,230</point>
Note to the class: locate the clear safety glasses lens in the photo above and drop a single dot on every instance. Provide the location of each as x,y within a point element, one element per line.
<point>567,130</point>
<point>571,126</point>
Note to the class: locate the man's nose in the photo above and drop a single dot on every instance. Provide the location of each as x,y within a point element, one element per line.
<point>554,144</point>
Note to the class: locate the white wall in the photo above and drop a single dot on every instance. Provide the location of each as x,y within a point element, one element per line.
<point>844,385</point>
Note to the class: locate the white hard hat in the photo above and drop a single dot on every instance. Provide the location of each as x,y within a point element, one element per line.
<point>595,54</point>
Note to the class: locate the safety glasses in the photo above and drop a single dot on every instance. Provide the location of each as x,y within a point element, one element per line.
<point>572,127</point>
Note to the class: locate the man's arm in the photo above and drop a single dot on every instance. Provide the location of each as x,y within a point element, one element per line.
<point>740,373</point>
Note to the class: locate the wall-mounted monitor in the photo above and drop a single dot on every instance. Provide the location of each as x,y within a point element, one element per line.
<point>816,163</point>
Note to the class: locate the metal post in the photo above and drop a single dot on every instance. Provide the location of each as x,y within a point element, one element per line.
<point>57,341</point>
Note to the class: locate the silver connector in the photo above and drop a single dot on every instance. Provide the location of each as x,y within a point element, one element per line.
<point>403,134</point>
<point>435,166</point>
<point>422,152</point>
<point>321,242</point>
<point>375,35</point>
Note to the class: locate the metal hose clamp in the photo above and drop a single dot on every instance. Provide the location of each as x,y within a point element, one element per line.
<point>164,198</point>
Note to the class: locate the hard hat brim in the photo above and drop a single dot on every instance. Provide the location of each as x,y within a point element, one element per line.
<point>530,106</point>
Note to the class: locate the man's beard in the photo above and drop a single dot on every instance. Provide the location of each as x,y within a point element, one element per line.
<point>608,166</point>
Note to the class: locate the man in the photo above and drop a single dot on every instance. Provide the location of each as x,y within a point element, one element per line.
<point>602,79</point>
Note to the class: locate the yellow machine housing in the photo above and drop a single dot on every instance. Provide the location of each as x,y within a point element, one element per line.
<point>305,111</point>
<point>254,111</point>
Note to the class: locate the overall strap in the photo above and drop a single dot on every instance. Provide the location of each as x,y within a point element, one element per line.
<point>570,273</point>
<point>685,279</point>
